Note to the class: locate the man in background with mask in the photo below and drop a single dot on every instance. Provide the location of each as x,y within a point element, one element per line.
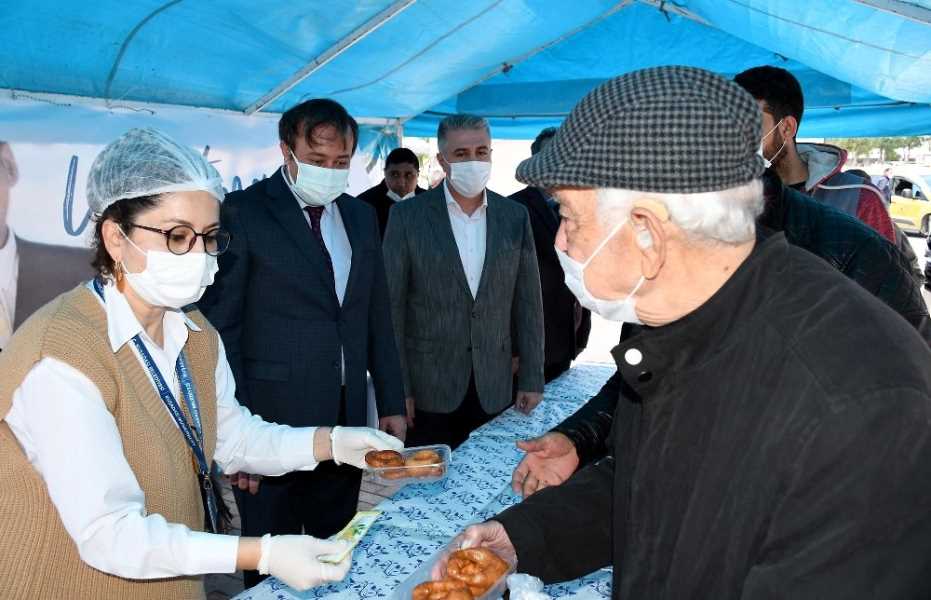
<point>565,322</point>
<point>774,442</point>
<point>302,305</point>
<point>816,169</point>
<point>813,169</point>
<point>463,276</point>
<point>400,183</point>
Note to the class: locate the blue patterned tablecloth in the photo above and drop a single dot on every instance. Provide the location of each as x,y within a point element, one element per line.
<point>420,519</point>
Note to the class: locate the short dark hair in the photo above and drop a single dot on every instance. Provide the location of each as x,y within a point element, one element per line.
<point>307,116</point>
<point>542,138</point>
<point>777,88</point>
<point>123,213</point>
<point>400,156</point>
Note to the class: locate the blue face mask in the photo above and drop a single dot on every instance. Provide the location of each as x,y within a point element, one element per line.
<point>469,178</point>
<point>317,186</point>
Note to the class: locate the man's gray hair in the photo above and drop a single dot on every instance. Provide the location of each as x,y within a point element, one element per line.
<point>459,122</point>
<point>726,216</point>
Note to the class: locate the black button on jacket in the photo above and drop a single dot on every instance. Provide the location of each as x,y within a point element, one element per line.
<point>779,448</point>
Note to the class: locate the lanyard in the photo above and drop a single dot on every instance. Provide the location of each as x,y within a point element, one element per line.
<point>194,436</point>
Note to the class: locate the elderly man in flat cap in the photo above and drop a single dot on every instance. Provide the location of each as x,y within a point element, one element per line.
<point>775,435</point>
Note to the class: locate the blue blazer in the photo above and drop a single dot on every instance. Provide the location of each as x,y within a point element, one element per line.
<point>274,304</point>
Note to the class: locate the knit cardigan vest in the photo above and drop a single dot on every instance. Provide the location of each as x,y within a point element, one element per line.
<point>38,559</point>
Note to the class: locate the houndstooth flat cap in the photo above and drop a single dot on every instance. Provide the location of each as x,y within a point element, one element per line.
<point>665,129</point>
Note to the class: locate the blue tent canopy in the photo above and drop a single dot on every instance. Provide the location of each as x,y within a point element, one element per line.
<point>865,65</point>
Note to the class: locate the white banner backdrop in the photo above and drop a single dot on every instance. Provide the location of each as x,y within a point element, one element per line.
<point>55,142</point>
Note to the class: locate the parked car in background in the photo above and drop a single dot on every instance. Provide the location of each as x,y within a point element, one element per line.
<point>911,198</point>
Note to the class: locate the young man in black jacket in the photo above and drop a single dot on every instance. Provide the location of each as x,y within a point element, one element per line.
<point>566,325</point>
<point>776,434</point>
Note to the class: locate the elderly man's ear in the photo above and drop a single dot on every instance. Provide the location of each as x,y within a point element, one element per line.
<point>644,239</point>
<point>651,240</point>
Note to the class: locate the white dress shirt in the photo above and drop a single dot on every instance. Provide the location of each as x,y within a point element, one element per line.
<point>335,238</point>
<point>9,274</point>
<point>71,438</point>
<point>469,231</point>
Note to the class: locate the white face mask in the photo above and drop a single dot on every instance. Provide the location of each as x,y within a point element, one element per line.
<point>317,186</point>
<point>469,177</point>
<point>397,198</point>
<point>768,162</point>
<point>621,310</point>
<point>171,280</point>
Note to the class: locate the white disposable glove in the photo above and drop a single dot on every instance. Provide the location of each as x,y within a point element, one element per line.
<point>293,560</point>
<point>351,444</point>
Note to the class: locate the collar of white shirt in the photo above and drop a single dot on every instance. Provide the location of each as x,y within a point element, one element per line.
<point>452,201</point>
<point>122,324</point>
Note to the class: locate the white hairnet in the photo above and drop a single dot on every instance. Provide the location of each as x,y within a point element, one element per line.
<point>146,162</point>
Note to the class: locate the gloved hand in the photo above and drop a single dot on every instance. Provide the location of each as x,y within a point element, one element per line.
<point>351,444</point>
<point>293,560</point>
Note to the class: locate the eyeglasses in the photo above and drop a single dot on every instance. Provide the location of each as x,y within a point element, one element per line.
<point>180,239</point>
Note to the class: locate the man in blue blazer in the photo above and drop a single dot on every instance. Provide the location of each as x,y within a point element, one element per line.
<point>302,305</point>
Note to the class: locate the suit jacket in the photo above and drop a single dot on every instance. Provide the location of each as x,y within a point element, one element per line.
<point>563,340</point>
<point>45,272</point>
<point>443,334</point>
<point>377,198</point>
<point>275,306</point>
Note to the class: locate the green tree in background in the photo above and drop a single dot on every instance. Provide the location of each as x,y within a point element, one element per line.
<point>910,142</point>
<point>888,148</point>
<point>859,149</point>
<point>423,180</point>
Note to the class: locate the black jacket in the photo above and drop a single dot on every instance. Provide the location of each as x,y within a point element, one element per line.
<point>274,304</point>
<point>854,249</point>
<point>775,445</point>
<point>564,340</point>
<point>377,198</point>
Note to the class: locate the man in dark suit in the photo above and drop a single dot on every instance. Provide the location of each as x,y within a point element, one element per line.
<point>400,183</point>
<point>565,322</point>
<point>463,276</point>
<point>302,305</point>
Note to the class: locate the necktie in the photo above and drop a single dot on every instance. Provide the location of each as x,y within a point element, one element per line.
<point>316,213</point>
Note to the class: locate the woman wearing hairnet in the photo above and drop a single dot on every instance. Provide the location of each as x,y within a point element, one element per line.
<point>115,402</point>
